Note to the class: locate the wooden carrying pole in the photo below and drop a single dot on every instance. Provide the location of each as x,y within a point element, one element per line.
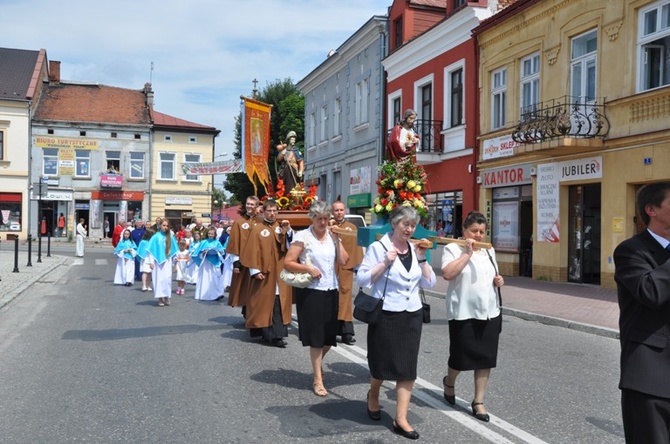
<point>422,243</point>
<point>461,242</point>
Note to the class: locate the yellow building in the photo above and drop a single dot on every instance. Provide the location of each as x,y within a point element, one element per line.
<point>176,195</point>
<point>574,118</point>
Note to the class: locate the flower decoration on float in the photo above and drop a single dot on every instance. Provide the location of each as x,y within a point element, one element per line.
<point>400,183</point>
<point>295,200</point>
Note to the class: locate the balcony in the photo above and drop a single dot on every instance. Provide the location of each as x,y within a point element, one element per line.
<point>567,117</point>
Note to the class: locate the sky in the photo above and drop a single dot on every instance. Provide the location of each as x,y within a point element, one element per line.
<point>205,53</point>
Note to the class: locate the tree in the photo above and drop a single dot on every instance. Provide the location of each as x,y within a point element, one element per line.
<point>288,110</point>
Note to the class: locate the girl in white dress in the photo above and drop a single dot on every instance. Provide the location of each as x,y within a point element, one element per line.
<point>125,265</point>
<point>162,247</point>
<point>145,261</point>
<point>192,267</point>
<point>181,259</point>
<point>208,257</point>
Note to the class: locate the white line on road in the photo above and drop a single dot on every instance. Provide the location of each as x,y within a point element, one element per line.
<point>358,355</point>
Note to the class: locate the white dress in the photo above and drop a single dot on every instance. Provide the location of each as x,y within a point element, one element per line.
<point>161,278</point>
<point>210,282</point>
<point>181,260</point>
<point>125,270</point>
<point>81,234</point>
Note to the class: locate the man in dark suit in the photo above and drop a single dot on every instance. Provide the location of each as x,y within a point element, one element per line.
<point>643,281</point>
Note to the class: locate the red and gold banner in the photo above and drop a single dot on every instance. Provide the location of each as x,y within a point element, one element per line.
<point>256,140</point>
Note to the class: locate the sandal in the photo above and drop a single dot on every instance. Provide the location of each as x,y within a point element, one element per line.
<point>319,389</point>
<point>167,301</point>
<point>160,302</point>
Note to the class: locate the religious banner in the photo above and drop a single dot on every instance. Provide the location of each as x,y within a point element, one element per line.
<point>256,140</point>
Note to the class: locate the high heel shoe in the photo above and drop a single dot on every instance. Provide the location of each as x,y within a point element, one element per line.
<point>402,432</point>
<point>451,399</point>
<point>374,415</point>
<point>480,416</point>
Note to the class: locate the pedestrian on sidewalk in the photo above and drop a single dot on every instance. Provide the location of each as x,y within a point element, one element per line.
<point>81,234</point>
<point>642,275</point>
<point>473,311</point>
<point>395,269</point>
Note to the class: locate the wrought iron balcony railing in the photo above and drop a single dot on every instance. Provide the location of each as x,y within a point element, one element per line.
<point>564,117</point>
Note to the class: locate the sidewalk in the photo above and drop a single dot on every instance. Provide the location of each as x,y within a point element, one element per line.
<point>587,308</point>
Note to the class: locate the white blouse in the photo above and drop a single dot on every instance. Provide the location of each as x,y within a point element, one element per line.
<point>471,294</point>
<point>320,255</point>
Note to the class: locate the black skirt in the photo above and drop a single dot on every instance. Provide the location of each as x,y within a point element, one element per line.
<point>317,316</point>
<point>393,345</point>
<point>473,343</point>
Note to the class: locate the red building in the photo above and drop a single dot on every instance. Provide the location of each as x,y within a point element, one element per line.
<point>432,68</point>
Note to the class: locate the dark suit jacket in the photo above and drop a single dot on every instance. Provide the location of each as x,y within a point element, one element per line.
<point>643,282</point>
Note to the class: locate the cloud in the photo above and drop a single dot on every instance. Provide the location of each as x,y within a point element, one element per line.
<point>205,53</point>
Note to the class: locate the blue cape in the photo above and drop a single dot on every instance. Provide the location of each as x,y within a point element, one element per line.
<point>157,247</point>
<point>124,245</point>
<point>210,249</point>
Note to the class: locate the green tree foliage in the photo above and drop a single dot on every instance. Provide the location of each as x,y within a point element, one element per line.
<point>288,114</point>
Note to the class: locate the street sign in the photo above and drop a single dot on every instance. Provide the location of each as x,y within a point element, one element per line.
<point>45,179</point>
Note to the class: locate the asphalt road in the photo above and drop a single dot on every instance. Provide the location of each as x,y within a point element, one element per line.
<point>82,360</point>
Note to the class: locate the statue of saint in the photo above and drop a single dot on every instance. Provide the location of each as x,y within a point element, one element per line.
<point>291,162</point>
<point>403,140</point>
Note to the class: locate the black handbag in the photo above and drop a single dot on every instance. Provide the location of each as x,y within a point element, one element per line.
<point>426,307</point>
<point>368,308</point>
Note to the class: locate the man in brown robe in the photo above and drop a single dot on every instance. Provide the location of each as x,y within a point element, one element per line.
<point>345,273</point>
<point>239,234</point>
<point>269,303</point>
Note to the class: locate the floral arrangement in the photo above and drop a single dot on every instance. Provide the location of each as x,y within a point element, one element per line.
<point>400,183</point>
<point>296,199</point>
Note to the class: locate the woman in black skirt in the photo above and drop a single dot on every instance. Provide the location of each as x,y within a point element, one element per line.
<point>473,311</point>
<point>395,269</point>
<point>316,250</point>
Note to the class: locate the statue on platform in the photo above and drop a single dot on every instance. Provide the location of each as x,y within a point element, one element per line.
<point>291,162</point>
<point>403,140</point>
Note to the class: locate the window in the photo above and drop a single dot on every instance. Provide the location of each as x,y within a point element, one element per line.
<point>192,139</point>
<point>50,131</point>
<point>397,112</point>
<point>324,122</point>
<point>50,161</point>
<point>397,32</point>
<point>82,133</point>
<point>583,67</point>
<point>2,145</point>
<point>361,102</point>
<point>458,3</point>
<point>337,117</point>
<point>136,165</point>
<point>530,84</point>
<point>192,158</point>
<point>424,126</point>
<point>654,46</point>
<point>312,130</point>
<point>114,135</point>
<point>167,138</point>
<point>167,166</point>
<point>138,136</point>
<point>498,98</point>
<point>82,159</point>
<point>456,97</point>
<point>113,162</point>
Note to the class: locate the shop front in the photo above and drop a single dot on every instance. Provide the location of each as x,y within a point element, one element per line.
<point>108,207</point>
<point>56,216</point>
<point>509,209</point>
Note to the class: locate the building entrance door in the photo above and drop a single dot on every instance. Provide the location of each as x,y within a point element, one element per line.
<point>584,233</point>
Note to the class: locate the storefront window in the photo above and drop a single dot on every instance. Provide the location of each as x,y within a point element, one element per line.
<point>50,161</point>
<point>445,212</point>
<point>10,212</point>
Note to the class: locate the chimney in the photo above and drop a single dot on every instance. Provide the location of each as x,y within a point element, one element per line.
<point>54,72</point>
<point>150,94</point>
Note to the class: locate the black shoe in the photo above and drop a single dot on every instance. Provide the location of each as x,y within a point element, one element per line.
<point>279,343</point>
<point>480,416</point>
<point>451,399</point>
<point>375,416</point>
<point>348,339</point>
<point>402,432</point>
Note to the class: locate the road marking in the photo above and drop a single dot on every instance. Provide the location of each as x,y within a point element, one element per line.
<point>358,355</point>
<point>101,262</point>
<point>77,261</point>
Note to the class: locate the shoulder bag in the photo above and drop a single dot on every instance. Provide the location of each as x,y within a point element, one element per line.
<point>497,288</point>
<point>368,308</point>
<point>298,280</point>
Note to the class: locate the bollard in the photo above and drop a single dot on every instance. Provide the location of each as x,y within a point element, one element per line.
<point>30,244</point>
<point>39,248</point>
<point>16,253</point>
<point>49,244</point>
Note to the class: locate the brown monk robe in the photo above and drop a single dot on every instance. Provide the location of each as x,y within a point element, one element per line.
<point>269,305</point>
<point>345,274</point>
<point>239,233</point>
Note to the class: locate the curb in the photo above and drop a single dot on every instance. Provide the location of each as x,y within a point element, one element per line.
<point>549,320</point>
<point>10,296</point>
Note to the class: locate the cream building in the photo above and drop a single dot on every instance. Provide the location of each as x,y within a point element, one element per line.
<point>575,113</point>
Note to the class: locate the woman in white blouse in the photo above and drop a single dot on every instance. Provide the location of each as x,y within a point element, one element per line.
<point>395,269</point>
<point>473,311</point>
<point>315,251</point>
